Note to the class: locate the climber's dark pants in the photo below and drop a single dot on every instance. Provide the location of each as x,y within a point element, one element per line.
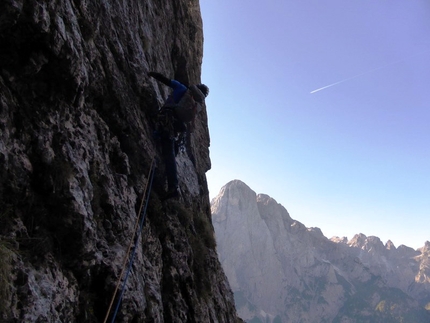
<point>171,128</point>
<point>168,148</point>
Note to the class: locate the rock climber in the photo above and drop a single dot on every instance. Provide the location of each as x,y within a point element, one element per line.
<point>176,117</point>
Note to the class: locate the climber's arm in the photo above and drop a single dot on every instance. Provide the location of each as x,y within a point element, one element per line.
<point>161,78</point>
<point>178,88</point>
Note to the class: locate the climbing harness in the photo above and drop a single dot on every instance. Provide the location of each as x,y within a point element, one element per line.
<point>139,224</point>
<point>168,128</point>
<point>180,143</point>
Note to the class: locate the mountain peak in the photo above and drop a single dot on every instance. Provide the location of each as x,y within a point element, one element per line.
<point>390,245</point>
<point>277,267</point>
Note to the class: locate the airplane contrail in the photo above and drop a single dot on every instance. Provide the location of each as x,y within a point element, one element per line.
<point>333,84</point>
<point>367,72</point>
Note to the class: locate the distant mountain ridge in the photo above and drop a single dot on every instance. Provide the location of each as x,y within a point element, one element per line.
<point>281,271</point>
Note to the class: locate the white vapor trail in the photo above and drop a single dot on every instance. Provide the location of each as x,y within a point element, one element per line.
<point>333,84</point>
<point>367,72</point>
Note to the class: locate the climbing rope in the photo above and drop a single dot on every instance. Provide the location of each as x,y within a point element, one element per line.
<point>139,223</point>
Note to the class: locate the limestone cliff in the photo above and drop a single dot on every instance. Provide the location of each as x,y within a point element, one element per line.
<point>77,114</point>
<point>281,271</point>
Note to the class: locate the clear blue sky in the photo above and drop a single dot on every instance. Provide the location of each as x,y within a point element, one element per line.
<point>351,158</point>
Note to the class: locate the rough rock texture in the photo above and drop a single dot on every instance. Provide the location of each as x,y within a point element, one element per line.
<point>281,271</point>
<point>77,114</point>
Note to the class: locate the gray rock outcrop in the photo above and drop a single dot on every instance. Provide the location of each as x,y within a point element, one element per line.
<point>281,271</point>
<point>77,115</point>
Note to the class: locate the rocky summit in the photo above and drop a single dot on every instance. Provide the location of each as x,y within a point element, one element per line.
<point>282,271</point>
<point>77,116</point>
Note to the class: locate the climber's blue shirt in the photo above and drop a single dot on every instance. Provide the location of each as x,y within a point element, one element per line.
<point>179,90</point>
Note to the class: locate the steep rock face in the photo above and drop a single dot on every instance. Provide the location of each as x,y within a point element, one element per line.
<point>307,277</point>
<point>77,113</point>
<point>246,244</point>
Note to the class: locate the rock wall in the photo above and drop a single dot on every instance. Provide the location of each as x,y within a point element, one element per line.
<point>281,271</point>
<point>77,115</point>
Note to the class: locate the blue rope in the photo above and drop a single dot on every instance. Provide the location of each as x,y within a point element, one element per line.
<point>142,221</point>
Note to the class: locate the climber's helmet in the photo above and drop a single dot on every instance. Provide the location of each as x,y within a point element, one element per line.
<point>204,89</point>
